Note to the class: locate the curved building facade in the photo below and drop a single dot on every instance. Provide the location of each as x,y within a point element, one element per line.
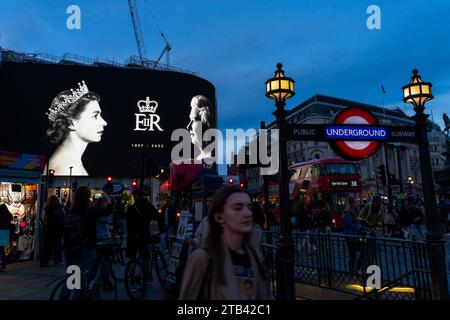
<point>140,108</point>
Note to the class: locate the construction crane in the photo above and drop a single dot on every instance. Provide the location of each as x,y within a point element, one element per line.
<point>166,50</point>
<point>140,39</point>
<point>137,31</point>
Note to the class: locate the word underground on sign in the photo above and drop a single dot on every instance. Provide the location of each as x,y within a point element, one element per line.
<point>356,133</point>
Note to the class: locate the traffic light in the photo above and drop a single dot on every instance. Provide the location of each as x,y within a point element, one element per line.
<point>133,184</point>
<point>109,185</point>
<point>51,177</point>
<point>231,181</point>
<point>242,185</point>
<point>382,174</point>
<point>58,192</point>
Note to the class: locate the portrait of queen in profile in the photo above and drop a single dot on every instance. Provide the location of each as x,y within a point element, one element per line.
<point>199,122</point>
<point>74,121</point>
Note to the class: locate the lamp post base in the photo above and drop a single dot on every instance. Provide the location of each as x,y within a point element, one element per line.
<point>286,280</point>
<point>436,251</point>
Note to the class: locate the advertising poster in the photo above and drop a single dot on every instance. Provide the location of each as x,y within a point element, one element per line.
<point>182,225</point>
<point>97,119</point>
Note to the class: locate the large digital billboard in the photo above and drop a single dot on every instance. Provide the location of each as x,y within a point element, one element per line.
<point>98,120</point>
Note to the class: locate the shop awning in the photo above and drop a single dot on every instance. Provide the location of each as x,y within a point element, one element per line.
<point>181,175</point>
<point>165,186</point>
<point>19,176</point>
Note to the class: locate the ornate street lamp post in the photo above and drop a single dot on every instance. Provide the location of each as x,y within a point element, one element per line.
<point>410,184</point>
<point>418,92</point>
<point>280,88</point>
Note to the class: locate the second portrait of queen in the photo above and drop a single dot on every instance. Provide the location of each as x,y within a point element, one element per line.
<point>75,120</point>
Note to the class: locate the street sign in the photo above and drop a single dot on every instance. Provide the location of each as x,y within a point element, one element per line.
<point>310,132</point>
<point>405,134</point>
<point>354,134</point>
<point>356,149</point>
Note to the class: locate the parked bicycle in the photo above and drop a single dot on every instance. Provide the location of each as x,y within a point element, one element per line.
<point>98,281</point>
<point>139,272</point>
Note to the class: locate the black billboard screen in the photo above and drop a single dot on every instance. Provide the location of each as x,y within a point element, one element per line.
<point>107,125</point>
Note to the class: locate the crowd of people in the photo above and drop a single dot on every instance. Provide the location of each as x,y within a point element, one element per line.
<point>406,220</point>
<point>75,230</point>
<point>225,258</point>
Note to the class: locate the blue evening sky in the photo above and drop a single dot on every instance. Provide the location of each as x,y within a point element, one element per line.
<point>324,45</point>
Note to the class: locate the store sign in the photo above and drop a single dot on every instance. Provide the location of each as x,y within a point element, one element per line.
<point>21,161</point>
<point>337,184</point>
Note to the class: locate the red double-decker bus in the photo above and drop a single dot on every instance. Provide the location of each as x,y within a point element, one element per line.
<point>325,183</point>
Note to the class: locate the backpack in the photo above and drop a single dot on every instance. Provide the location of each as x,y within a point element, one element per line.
<point>72,234</point>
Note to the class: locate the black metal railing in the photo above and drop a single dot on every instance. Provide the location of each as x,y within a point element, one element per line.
<point>341,262</point>
<point>387,287</point>
<point>271,262</point>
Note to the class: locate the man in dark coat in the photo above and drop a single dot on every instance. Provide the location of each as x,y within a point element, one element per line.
<point>138,219</point>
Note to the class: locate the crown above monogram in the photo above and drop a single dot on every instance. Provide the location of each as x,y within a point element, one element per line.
<point>147,105</point>
<point>75,96</point>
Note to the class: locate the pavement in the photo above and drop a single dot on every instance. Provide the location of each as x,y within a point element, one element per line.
<point>28,281</point>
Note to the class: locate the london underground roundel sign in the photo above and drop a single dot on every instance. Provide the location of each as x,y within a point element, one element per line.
<point>359,126</point>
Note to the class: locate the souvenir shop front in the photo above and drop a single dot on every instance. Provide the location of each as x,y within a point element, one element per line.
<point>20,191</point>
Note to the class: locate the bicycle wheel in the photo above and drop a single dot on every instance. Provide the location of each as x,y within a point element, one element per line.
<point>121,256</point>
<point>61,292</point>
<point>108,287</point>
<point>91,288</point>
<point>161,268</point>
<point>116,276</point>
<point>58,291</point>
<point>118,255</point>
<point>135,280</point>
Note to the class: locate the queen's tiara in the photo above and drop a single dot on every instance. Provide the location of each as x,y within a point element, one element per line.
<point>76,94</point>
